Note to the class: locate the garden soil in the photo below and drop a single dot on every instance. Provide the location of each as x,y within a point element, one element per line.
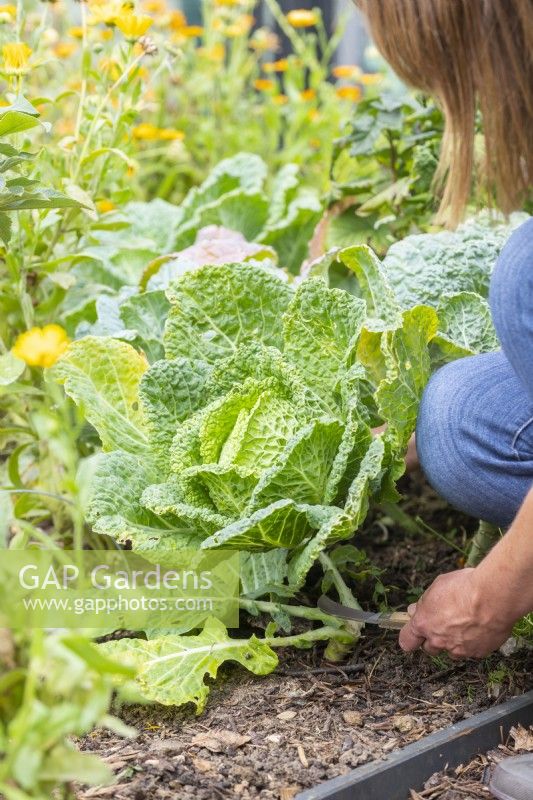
<point>272,737</point>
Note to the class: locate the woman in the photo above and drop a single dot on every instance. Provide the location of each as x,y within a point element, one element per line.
<point>474,435</point>
<point>475,429</point>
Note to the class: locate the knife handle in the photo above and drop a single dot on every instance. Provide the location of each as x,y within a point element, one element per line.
<point>395,621</point>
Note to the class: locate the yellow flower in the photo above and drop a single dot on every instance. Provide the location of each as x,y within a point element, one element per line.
<point>105,206</point>
<point>41,347</point>
<point>76,32</point>
<point>146,131</point>
<point>276,66</point>
<point>352,93</point>
<point>308,94</point>
<point>7,14</point>
<point>65,49</point>
<point>302,18</point>
<point>170,135</point>
<point>264,84</point>
<point>227,3</point>
<point>346,71</point>
<point>105,13</point>
<point>280,99</point>
<point>106,34</point>
<point>371,78</point>
<point>133,26</point>
<point>16,56</point>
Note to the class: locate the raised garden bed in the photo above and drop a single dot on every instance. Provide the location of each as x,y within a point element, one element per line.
<point>310,722</point>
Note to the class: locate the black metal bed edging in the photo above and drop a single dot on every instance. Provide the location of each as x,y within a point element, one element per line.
<point>409,768</point>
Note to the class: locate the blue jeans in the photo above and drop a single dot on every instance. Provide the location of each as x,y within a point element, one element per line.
<point>475,426</point>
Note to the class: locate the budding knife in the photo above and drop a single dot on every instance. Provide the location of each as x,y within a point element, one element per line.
<point>394,620</point>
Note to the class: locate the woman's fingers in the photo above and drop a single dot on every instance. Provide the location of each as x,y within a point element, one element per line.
<point>409,640</point>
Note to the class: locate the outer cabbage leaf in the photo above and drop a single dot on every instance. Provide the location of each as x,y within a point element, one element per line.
<point>145,315</point>
<point>465,326</point>
<point>398,361</point>
<point>281,524</point>
<point>423,267</point>
<point>239,210</point>
<point>290,236</point>
<point>114,507</point>
<point>156,221</point>
<point>321,327</point>
<point>172,669</point>
<point>264,573</point>
<point>103,375</point>
<point>243,171</point>
<point>381,302</point>
<point>171,392</point>
<point>216,309</point>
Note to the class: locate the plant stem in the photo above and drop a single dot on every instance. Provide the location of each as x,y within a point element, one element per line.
<point>404,521</point>
<point>316,635</point>
<point>302,612</point>
<point>345,595</point>
<point>484,538</point>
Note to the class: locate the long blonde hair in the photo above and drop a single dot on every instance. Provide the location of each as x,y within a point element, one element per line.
<point>471,55</point>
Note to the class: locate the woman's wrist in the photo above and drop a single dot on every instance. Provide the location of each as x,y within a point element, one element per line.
<point>503,581</point>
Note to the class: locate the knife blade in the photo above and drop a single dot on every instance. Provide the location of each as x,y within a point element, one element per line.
<point>394,620</point>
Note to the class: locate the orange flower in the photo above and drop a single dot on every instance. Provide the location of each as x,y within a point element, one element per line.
<point>65,49</point>
<point>302,18</point>
<point>264,84</point>
<point>371,78</point>
<point>352,93</point>
<point>281,65</point>
<point>191,31</point>
<point>308,94</point>
<point>177,20</point>
<point>346,71</point>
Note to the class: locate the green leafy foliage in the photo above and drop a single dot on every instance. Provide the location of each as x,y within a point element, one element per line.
<point>231,217</point>
<point>423,267</point>
<point>251,434</point>
<point>53,687</point>
<point>382,172</point>
<point>172,669</point>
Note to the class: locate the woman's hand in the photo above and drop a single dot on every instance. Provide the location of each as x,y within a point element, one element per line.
<point>459,615</point>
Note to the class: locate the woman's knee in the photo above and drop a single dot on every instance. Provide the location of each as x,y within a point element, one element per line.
<point>440,423</point>
<point>468,419</point>
<point>511,288</point>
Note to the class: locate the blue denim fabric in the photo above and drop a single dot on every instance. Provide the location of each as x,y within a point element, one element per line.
<point>475,425</point>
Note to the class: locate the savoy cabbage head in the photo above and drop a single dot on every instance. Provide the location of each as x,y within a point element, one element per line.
<point>254,430</point>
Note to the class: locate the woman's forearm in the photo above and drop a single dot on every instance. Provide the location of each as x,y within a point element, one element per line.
<point>505,576</point>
